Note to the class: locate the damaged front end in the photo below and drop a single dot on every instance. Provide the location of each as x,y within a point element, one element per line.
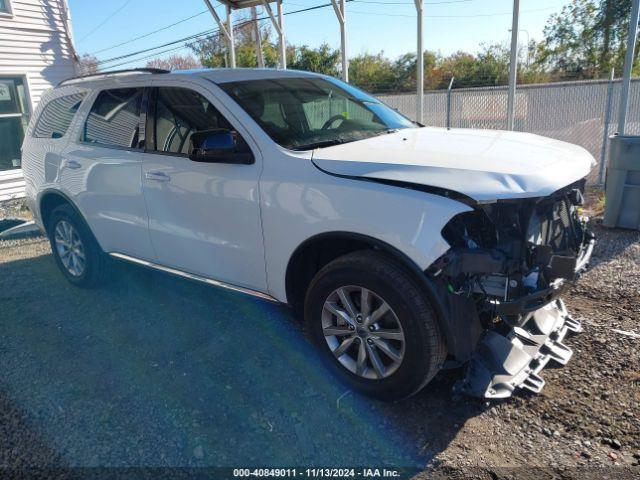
<point>501,282</point>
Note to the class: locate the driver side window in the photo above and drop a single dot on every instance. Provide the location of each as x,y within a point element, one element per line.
<point>179,113</point>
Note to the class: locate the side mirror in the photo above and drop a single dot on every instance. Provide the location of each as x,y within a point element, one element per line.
<point>219,146</point>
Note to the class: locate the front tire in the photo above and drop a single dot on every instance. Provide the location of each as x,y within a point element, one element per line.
<point>374,325</point>
<point>75,250</point>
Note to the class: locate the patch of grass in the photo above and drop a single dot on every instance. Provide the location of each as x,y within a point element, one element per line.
<point>594,201</point>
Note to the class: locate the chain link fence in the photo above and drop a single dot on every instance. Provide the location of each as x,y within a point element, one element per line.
<point>580,112</point>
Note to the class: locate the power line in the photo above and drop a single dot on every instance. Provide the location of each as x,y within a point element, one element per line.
<point>444,2</point>
<point>174,49</point>
<point>181,40</point>
<point>201,13</point>
<point>303,10</point>
<point>150,33</point>
<point>109,17</point>
<point>477,15</point>
<point>206,32</point>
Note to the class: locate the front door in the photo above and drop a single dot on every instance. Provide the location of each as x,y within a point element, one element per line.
<point>204,218</point>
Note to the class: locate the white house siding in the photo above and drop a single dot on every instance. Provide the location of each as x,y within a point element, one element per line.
<point>34,42</point>
<point>36,45</point>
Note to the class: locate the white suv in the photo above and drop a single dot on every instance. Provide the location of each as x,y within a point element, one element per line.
<point>408,249</point>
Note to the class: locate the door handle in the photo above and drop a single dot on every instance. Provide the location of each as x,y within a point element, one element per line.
<point>73,165</point>
<point>157,176</point>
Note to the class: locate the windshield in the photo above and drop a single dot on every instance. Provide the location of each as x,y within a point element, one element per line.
<point>307,113</point>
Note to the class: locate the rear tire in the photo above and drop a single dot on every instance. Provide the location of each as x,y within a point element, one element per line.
<point>390,358</point>
<point>75,249</point>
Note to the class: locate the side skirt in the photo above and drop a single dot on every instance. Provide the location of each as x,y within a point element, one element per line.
<point>192,276</point>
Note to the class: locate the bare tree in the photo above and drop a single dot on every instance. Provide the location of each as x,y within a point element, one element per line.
<point>88,64</point>
<point>175,62</point>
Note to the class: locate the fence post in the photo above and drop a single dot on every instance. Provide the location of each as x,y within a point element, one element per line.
<point>605,134</point>
<point>449,103</point>
<point>513,65</point>
<point>628,65</point>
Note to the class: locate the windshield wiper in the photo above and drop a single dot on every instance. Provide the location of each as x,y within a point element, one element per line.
<point>387,131</point>
<point>340,141</point>
<point>322,143</point>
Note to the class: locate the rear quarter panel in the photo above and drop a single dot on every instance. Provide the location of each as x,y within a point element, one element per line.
<point>41,157</point>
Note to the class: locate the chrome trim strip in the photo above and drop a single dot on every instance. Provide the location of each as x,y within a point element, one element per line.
<point>191,276</point>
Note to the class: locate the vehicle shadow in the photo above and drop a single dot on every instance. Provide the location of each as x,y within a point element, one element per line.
<point>153,370</point>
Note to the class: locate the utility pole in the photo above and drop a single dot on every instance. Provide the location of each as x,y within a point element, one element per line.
<point>232,43</point>
<point>258,37</point>
<point>513,65</point>
<point>628,65</point>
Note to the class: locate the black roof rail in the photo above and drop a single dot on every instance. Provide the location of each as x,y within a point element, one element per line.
<point>116,72</point>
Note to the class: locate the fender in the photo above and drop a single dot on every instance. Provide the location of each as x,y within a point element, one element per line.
<point>67,199</point>
<point>459,326</point>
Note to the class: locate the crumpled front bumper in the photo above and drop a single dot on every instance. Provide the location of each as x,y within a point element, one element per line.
<point>536,300</point>
<point>504,363</point>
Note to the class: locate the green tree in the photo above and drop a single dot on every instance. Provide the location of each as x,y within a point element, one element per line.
<point>586,39</point>
<point>405,70</point>
<point>373,73</point>
<point>323,59</point>
<point>213,51</point>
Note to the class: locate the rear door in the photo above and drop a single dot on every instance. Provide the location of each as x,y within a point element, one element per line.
<point>204,218</point>
<point>102,171</point>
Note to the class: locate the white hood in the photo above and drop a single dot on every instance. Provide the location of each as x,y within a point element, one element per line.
<point>482,164</point>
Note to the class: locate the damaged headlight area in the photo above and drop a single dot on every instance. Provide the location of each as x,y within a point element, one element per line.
<point>502,278</point>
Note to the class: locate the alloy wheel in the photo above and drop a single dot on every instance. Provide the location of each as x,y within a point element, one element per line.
<point>363,332</point>
<point>70,248</point>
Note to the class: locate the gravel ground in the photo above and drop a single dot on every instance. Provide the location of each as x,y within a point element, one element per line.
<point>155,371</point>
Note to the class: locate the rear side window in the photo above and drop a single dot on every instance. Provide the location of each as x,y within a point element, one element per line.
<point>114,118</point>
<point>57,115</point>
<point>180,112</point>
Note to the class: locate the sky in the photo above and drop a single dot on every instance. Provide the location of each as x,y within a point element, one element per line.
<point>372,25</point>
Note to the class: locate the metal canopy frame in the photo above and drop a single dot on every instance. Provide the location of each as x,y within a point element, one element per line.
<point>226,28</point>
<point>420,63</point>
<point>278,24</point>
<point>341,13</point>
<point>277,19</point>
<point>240,4</point>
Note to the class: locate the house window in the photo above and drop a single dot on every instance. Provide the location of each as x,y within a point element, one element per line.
<point>5,7</point>
<point>14,118</point>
